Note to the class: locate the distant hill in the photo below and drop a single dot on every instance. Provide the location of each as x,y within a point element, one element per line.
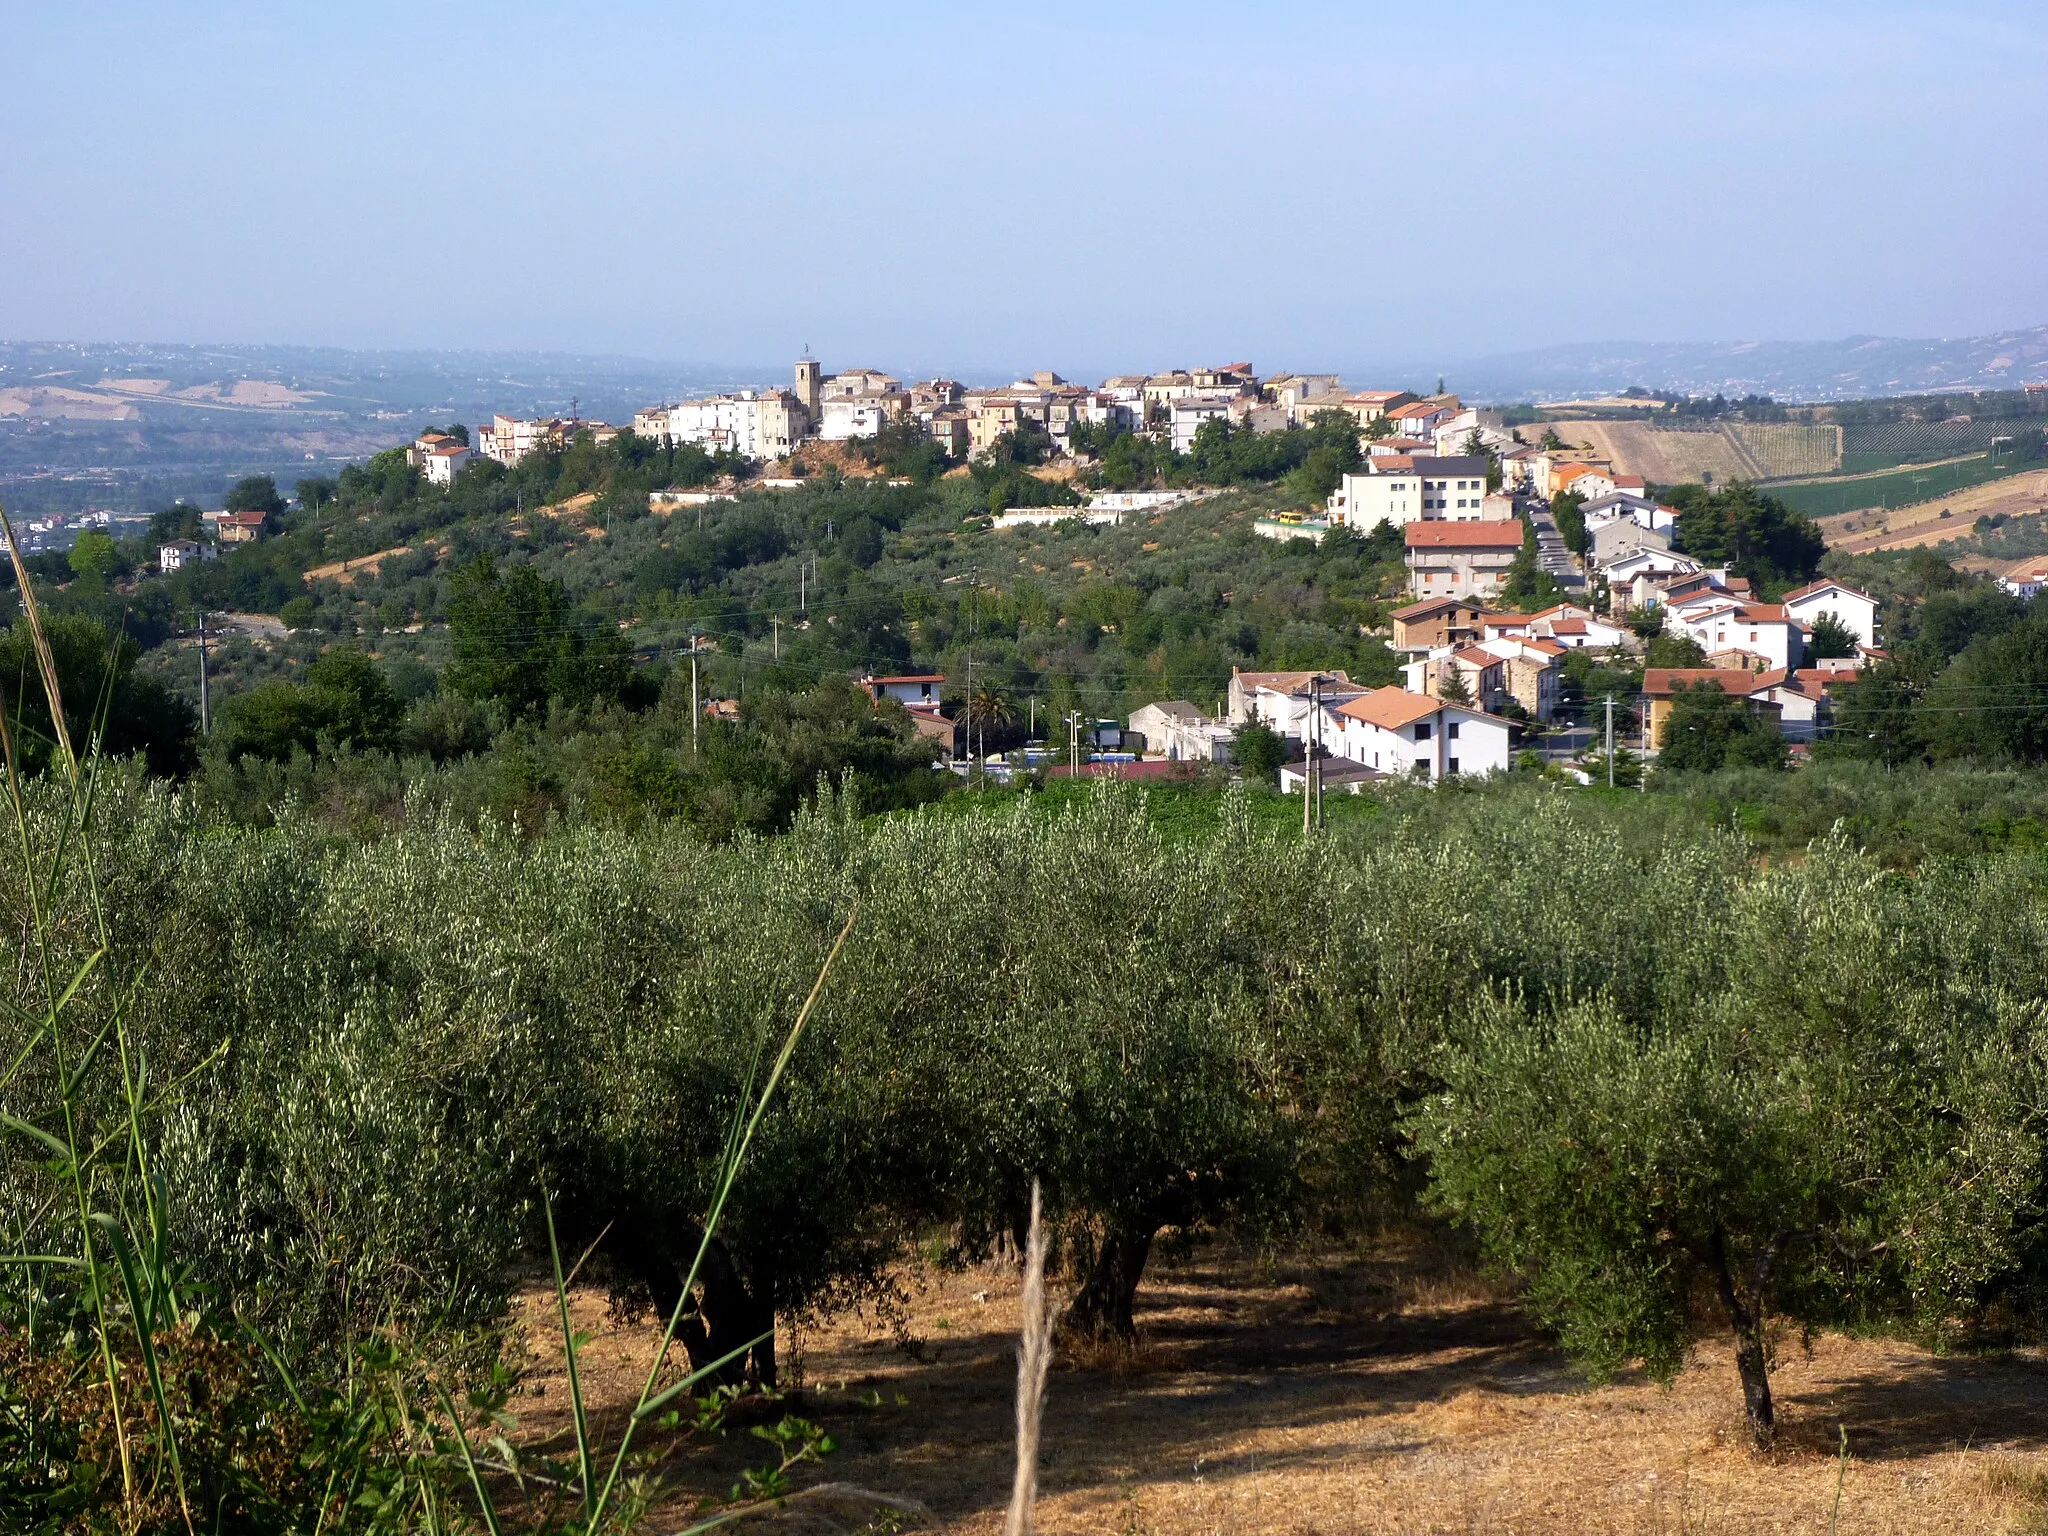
<point>1854,368</point>
<point>131,426</point>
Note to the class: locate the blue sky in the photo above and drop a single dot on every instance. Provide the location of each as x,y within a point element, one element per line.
<point>982,188</point>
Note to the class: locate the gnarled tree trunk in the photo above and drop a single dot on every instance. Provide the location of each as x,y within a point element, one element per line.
<point>1104,1304</point>
<point>731,1309</point>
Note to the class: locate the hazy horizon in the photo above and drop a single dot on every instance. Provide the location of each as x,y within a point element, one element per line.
<point>931,190</point>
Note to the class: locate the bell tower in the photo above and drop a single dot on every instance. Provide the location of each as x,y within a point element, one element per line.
<point>809,384</point>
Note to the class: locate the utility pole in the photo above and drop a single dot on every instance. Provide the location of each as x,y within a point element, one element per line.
<point>803,600</point>
<point>205,698</point>
<point>1610,741</point>
<point>775,623</point>
<point>1074,742</point>
<point>696,709</point>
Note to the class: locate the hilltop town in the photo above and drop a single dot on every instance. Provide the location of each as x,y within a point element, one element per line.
<point>1459,487</point>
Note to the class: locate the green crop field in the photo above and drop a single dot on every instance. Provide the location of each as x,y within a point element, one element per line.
<point>1825,498</point>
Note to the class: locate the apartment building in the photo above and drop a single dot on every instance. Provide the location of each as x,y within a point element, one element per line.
<point>1405,488</point>
<point>509,439</point>
<point>1454,559</point>
<point>759,424</point>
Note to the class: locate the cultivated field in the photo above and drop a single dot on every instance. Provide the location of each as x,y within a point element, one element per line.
<point>1861,532</point>
<point>1389,1390</point>
<point>1730,451</point>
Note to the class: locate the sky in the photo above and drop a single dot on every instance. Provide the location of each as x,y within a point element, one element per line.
<point>973,189</point>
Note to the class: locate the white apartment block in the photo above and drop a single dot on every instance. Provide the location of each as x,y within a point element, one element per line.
<point>1405,488</point>
<point>508,439</point>
<point>860,415</point>
<point>757,424</point>
<point>1184,418</point>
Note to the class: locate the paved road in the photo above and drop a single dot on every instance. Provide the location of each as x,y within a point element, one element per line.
<point>1555,559</point>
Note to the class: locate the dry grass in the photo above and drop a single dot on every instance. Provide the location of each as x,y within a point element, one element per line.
<point>1385,1391</point>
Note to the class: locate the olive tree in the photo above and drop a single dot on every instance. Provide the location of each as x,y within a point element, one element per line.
<point>1838,1133</point>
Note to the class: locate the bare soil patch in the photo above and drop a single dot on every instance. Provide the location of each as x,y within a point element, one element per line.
<point>1383,1390</point>
<point>346,571</point>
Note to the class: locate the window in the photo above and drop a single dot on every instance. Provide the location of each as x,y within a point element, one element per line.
<point>1451,730</point>
<point>1451,766</point>
<point>1422,731</point>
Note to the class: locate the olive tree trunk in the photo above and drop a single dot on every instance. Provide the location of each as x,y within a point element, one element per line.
<point>732,1311</point>
<point>1103,1306</point>
<point>1745,1308</point>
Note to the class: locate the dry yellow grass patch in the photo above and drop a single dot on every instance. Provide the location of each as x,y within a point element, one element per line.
<point>1386,1391</point>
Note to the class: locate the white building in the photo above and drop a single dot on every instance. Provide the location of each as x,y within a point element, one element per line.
<point>1802,700</point>
<point>860,415</point>
<point>1406,488</point>
<point>444,461</point>
<point>1282,700</point>
<point>1185,417</point>
<point>179,553</point>
<point>1181,733</point>
<point>1641,510</point>
<point>2026,579</point>
<point>1853,610</point>
<point>917,690</point>
<point>1763,630</point>
<point>1410,734</point>
<point>754,423</point>
<point>508,439</point>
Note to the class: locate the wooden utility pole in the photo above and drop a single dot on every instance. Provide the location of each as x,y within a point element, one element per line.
<point>696,709</point>
<point>205,697</point>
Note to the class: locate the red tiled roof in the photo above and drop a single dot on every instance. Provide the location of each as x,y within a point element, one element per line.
<point>1484,535</point>
<point>913,677</point>
<point>1432,604</point>
<point>1390,708</point>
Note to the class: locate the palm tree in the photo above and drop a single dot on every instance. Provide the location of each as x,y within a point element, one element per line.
<point>989,705</point>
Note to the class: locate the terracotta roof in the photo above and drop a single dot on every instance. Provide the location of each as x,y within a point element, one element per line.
<point>1390,708</point>
<point>912,677</point>
<point>1483,535</point>
<point>1473,656</point>
<point>1433,604</point>
<point>1294,682</point>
